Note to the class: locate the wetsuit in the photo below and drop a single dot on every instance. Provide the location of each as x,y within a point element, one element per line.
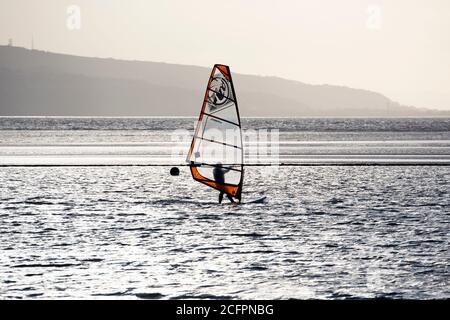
<point>219,177</point>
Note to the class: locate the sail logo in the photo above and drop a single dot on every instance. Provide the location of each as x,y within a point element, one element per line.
<point>219,91</point>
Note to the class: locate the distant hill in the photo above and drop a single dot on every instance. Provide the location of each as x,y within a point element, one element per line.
<point>48,84</point>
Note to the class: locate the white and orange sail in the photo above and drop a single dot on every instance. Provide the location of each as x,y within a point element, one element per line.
<point>217,141</point>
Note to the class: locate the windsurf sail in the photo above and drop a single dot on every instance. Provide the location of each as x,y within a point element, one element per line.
<point>216,154</point>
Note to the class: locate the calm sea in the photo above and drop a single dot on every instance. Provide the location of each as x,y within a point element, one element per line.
<point>146,141</point>
<point>350,230</point>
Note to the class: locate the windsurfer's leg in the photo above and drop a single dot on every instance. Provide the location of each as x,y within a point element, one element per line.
<point>220,197</point>
<point>230,198</point>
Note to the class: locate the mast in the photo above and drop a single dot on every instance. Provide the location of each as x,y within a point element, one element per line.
<point>217,141</point>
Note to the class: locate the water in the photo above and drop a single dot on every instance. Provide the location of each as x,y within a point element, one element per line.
<point>162,141</point>
<point>124,232</point>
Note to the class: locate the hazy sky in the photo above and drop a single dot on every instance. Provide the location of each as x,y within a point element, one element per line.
<point>400,48</point>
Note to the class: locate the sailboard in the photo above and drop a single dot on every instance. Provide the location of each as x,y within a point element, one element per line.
<point>258,200</point>
<point>217,142</point>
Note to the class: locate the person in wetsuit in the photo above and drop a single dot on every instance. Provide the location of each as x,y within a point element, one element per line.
<point>219,177</point>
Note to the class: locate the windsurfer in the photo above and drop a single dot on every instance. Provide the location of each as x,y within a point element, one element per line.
<point>219,176</point>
